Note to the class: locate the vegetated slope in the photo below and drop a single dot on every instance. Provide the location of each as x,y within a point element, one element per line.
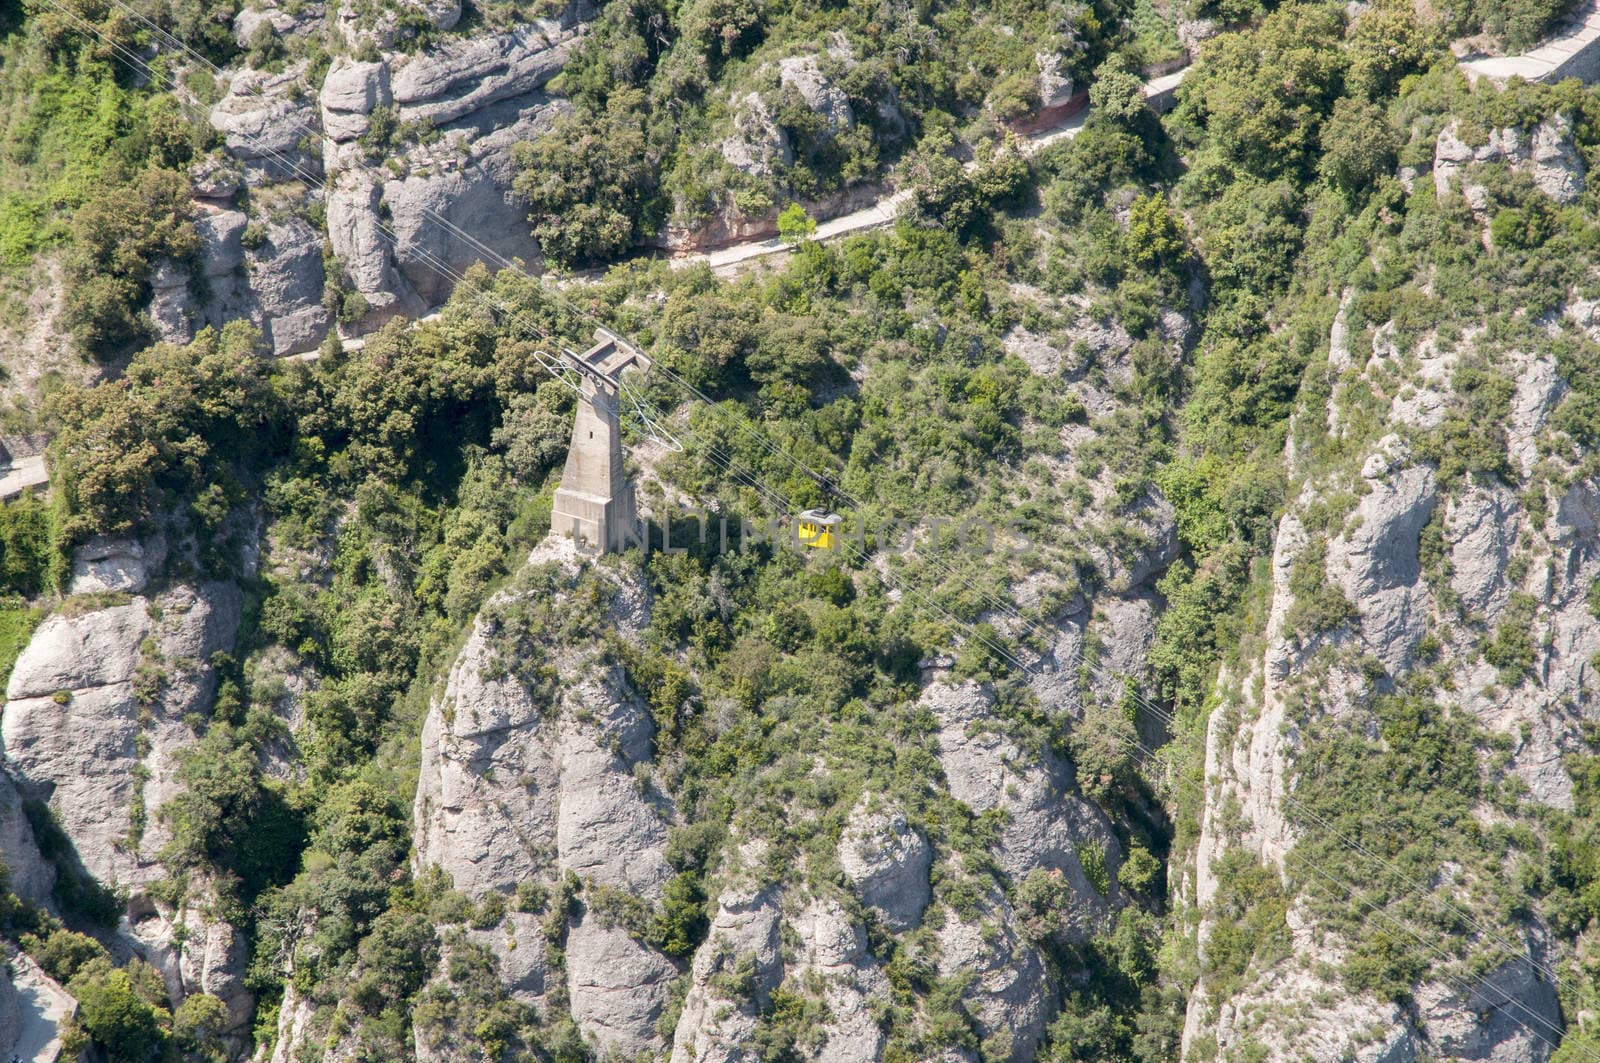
<point>1281,411</point>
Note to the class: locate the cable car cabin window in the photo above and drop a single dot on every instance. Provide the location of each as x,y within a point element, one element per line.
<point>818,530</point>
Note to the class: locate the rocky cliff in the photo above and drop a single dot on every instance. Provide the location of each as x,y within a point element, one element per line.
<point>414,147</point>
<point>529,780</point>
<point>1415,589</point>
<point>108,693</point>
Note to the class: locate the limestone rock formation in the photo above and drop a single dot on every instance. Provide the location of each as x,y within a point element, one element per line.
<point>1011,995</point>
<point>887,861</point>
<point>1046,824</point>
<point>403,235</point>
<point>99,705</point>
<point>279,21</point>
<point>758,144</point>
<point>745,929</point>
<point>523,783</point>
<point>264,120</point>
<point>1433,568</point>
<point>385,24</point>
<point>1548,155</point>
<point>417,148</point>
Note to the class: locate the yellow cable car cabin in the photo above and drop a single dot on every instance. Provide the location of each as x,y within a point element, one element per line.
<point>818,530</point>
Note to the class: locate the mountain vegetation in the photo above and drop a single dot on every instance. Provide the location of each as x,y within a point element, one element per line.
<point>1205,672</point>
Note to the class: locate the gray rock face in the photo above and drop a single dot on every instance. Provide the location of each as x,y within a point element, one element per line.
<point>72,716</point>
<point>402,234</point>
<point>365,251</point>
<point>286,279</point>
<point>618,987</point>
<point>803,74</point>
<point>1548,155</point>
<point>833,951</point>
<point>1012,993</point>
<point>516,788</point>
<point>32,878</point>
<point>108,565</point>
<point>503,786</point>
<point>276,283</point>
<point>1378,565</point>
<point>1045,822</point>
<point>462,77</point>
<point>474,199</point>
<point>349,94</point>
<point>172,305</point>
<point>887,861</point>
<point>360,24</point>
<point>266,122</point>
<point>1494,540</point>
<point>758,145</point>
<point>450,204</point>
<point>747,925</point>
<point>306,18</point>
<point>1481,527</point>
<point>95,717</point>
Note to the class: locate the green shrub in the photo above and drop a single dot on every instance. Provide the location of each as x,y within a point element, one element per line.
<point>1319,604</point>
<point>122,1008</point>
<point>62,952</point>
<point>1512,650</point>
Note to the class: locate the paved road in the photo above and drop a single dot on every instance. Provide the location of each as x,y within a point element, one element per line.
<point>1160,92</point>
<point>41,1006</point>
<point>24,474</point>
<point>1572,52</point>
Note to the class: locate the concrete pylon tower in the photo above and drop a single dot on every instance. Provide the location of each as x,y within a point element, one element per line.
<point>595,502</point>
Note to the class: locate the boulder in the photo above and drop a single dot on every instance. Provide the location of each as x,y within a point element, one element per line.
<point>887,861</point>
<point>268,125</point>
<point>218,177</point>
<point>1055,88</point>
<point>350,93</point>
<point>105,565</point>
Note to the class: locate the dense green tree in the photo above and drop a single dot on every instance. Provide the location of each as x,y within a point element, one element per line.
<point>591,187</point>
<point>117,236</point>
<point>182,422</point>
<point>1261,94</point>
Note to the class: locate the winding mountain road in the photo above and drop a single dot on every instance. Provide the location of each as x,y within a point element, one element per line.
<point>1574,51</point>
<point>1158,92</point>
